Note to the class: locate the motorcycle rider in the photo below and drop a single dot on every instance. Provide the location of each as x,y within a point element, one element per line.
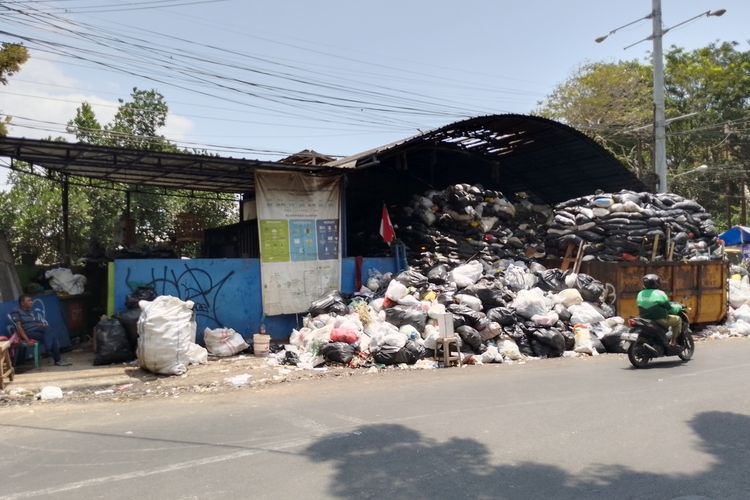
<point>654,305</point>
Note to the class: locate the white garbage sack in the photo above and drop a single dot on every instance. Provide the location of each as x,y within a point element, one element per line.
<point>530,302</point>
<point>583,342</point>
<point>739,327</point>
<point>395,339</point>
<point>431,336</point>
<point>568,297</point>
<point>63,280</point>
<point>509,349</point>
<point>547,319</point>
<point>409,300</point>
<point>223,341</point>
<point>469,301</point>
<point>492,355</point>
<point>585,314</point>
<point>395,291</point>
<point>519,278</point>
<point>739,292</point>
<point>467,274</point>
<point>166,334</point>
<point>742,313</point>
<point>436,310</point>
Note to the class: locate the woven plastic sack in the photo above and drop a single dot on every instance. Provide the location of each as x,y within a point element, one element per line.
<point>223,341</point>
<point>166,334</point>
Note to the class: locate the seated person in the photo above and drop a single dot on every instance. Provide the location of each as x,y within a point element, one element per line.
<point>32,330</point>
<point>654,304</point>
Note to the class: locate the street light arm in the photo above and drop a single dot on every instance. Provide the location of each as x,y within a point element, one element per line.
<point>701,168</point>
<point>708,13</point>
<point>631,23</point>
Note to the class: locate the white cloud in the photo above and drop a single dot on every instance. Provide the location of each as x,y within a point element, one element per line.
<point>177,128</point>
<point>42,99</point>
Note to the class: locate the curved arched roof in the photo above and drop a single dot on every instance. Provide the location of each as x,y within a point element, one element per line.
<point>527,153</point>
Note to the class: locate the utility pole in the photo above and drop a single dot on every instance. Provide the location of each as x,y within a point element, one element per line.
<point>660,133</point>
<point>727,162</point>
<point>657,33</point>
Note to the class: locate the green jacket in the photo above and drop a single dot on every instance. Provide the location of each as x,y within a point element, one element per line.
<point>654,304</point>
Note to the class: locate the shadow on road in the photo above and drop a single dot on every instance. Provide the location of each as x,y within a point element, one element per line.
<point>381,461</point>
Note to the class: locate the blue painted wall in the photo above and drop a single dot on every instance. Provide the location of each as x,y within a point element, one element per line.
<point>49,307</point>
<point>226,292</point>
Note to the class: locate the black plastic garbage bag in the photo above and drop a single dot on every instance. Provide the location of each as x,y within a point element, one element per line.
<point>570,338</point>
<point>112,344</point>
<point>338,352</point>
<point>385,354</point>
<point>524,345</point>
<point>502,315</point>
<point>591,289</point>
<point>464,315</point>
<point>490,296</point>
<point>403,315</point>
<point>410,353</point>
<point>613,344</point>
<point>140,293</point>
<point>597,343</point>
<point>552,280</point>
<point>472,339</point>
<point>547,343</point>
<point>438,274</point>
<point>290,358</point>
<point>412,279</point>
<point>129,319</point>
<point>331,303</point>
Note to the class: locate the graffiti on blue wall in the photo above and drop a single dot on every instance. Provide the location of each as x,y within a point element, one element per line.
<point>192,283</point>
<point>226,292</point>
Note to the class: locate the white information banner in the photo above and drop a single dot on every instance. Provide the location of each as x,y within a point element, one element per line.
<point>299,230</point>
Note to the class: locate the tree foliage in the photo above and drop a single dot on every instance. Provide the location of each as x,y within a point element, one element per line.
<point>32,208</point>
<point>707,98</point>
<point>12,56</point>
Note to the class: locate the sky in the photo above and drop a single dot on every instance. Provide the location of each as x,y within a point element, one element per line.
<point>259,79</point>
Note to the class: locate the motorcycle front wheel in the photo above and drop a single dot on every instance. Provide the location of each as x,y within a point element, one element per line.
<point>688,345</point>
<point>638,354</point>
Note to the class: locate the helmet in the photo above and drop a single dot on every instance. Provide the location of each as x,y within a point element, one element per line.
<point>651,281</point>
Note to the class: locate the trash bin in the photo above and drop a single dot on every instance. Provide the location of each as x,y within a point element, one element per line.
<point>74,309</point>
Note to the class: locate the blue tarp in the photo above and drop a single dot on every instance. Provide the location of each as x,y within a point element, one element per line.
<point>735,236</point>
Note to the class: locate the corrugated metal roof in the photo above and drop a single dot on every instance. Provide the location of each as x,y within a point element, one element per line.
<point>534,154</point>
<point>143,168</point>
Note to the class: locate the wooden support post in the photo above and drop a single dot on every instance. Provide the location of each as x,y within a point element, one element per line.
<point>655,249</point>
<point>668,245</point>
<point>66,221</point>
<point>579,258</point>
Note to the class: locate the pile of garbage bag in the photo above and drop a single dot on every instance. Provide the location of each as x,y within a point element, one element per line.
<point>500,311</point>
<point>464,221</point>
<point>738,316</point>
<point>624,226</point>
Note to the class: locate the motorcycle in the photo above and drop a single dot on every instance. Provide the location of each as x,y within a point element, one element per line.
<point>649,340</point>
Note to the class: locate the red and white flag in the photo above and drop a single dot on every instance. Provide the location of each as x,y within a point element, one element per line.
<point>386,228</point>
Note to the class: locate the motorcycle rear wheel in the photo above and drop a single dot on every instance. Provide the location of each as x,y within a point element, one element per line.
<point>638,354</point>
<point>688,347</point>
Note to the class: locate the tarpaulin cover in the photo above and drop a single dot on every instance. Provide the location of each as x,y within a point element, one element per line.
<point>735,236</point>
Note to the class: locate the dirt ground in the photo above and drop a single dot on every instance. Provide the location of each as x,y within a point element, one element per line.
<point>84,382</point>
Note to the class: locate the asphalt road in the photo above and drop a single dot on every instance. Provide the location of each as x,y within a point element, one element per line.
<point>564,428</point>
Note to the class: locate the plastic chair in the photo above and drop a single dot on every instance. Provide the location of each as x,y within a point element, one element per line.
<point>21,347</point>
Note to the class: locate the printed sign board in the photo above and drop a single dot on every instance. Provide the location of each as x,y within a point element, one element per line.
<point>300,251</point>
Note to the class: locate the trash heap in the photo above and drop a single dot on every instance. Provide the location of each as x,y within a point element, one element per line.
<point>505,310</point>
<point>624,226</point>
<point>738,316</point>
<point>464,221</point>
